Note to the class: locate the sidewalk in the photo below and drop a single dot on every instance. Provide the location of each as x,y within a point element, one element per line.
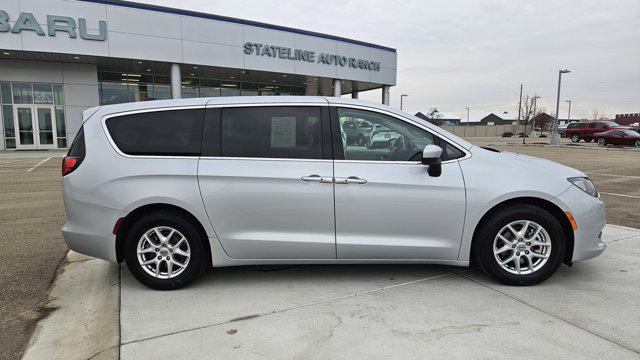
<point>363,311</point>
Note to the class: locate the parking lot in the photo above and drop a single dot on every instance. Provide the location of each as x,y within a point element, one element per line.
<point>587,311</point>
<point>31,214</point>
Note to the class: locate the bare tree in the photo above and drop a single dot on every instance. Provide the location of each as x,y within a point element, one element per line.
<point>435,116</point>
<point>597,115</point>
<point>529,113</point>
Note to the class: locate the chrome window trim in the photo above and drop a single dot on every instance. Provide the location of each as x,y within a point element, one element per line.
<point>262,159</point>
<point>208,105</point>
<point>467,154</point>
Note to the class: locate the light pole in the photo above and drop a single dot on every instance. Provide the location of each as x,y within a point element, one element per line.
<point>569,115</point>
<point>467,116</point>
<point>555,137</point>
<point>402,97</point>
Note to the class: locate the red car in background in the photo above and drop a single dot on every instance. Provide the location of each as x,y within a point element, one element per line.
<point>586,130</point>
<point>618,137</point>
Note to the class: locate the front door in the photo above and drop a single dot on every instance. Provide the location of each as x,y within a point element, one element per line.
<point>45,127</point>
<point>387,205</point>
<point>35,126</point>
<point>266,182</point>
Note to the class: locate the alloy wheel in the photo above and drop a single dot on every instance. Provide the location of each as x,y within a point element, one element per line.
<point>602,142</point>
<point>522,247</point>
<point>575,138</point>
<point>638,143</point>
<point>163,252</point>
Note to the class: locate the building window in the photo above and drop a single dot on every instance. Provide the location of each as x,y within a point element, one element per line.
<point>22,93</point>
<point>120,87</point>
<point>42,94</point>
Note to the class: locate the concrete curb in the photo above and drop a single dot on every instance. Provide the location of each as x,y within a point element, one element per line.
<point>85,321</point>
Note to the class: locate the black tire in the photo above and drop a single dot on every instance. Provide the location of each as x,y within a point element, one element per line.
<point>575,138</point>
<point>588,140</point>
<point>602,142</point>
<point>174,220</point>
<point>483,253</point>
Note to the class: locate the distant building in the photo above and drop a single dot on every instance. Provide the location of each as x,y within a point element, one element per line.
<point>440,118</point>
<point>627,119</point>
<point>493,119</point>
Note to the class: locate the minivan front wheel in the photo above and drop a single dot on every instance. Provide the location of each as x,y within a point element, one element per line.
<point>575,138</point>
<point>164,251</point>
<point>520,245</point>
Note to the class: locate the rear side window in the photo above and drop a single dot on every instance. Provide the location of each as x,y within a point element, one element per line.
<point>77,146</point>
<point>159,133</point>
<point>272,132</point>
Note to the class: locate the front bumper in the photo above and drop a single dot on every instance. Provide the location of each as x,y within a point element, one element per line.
<point>589,214</point>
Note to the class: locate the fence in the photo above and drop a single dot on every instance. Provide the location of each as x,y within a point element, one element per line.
<point>486,130</point>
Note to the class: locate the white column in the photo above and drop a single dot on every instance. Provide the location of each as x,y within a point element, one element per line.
<point>354,94</point>
<point>176,82</point>
<point>337,89</point>
<point>386,93</point>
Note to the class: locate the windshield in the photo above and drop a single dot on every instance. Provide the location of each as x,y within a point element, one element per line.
<point>631,133</point>
<point>612,124</point>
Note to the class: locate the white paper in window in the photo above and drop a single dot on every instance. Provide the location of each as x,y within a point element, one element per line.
<point>283,132</point>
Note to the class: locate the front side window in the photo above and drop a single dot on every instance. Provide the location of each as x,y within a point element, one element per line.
<point>373,136</point>
<point>272,132</point>
<point>158,133</point>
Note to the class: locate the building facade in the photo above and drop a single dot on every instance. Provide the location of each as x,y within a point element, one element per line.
<point>61,57</point>
<point>627,119</point>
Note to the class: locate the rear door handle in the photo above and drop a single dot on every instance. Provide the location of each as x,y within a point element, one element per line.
<point>317,178</point>
<point>351,180</point>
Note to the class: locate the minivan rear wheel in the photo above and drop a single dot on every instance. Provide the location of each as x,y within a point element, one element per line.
<point>164,250</point>
<point>520,245</point>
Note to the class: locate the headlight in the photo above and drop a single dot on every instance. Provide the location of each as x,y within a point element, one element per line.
<point>585,185</point>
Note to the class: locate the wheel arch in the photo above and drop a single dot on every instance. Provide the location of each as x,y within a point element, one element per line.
<point>547,205</point>
<point>143,210</point>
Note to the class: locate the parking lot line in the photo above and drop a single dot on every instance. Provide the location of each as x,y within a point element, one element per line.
<point>623,195</point>
<point>40,163</point>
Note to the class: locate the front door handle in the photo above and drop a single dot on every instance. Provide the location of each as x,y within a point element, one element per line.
<point>351,180</point>
<point>317,178</point>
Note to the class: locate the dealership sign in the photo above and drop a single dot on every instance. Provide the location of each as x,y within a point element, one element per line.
<point>27,22</point>
<point>287,53</point>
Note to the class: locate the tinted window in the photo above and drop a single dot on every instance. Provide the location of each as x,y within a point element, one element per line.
<point>272,132</point>
<point>77,148</point>
<point>168,133</point>
<point>389,139</point>
<point>451,152</point>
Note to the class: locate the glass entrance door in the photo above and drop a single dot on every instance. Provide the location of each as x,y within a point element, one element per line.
<point>23,116</point>
<point>45,127</point>
<point>36,127</point>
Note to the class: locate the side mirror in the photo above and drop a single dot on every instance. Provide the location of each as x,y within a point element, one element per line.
<point>431,157</point>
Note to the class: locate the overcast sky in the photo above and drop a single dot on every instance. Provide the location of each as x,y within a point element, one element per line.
<point>454,54</point>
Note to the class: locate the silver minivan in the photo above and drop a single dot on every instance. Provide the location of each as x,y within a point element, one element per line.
<point>173,187</point>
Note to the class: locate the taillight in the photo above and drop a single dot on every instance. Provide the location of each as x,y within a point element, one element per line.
<point>69,164</point>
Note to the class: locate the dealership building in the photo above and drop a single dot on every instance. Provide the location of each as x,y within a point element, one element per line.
<point>61,57</point>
